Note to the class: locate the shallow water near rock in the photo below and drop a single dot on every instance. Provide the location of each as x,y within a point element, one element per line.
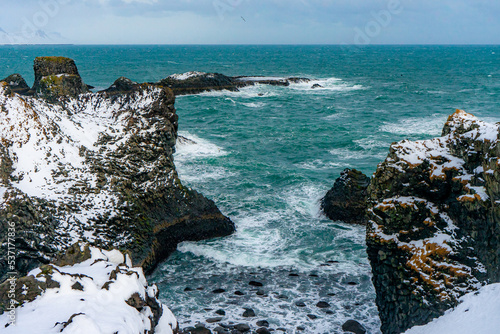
<point>266,155</point>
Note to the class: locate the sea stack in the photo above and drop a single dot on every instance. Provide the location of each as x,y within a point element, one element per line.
<point>56,77</point>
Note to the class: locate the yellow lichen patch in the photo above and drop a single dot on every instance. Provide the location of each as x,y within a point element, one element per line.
<point>461,180</point>
<point>384,206</point>
<point>431,265</point>
<point>469,198</point>
<point>429,222</point>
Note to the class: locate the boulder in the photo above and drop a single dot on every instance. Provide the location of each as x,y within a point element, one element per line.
<point>352,326</point>
<point>433,233</point>
<point>346,201</point>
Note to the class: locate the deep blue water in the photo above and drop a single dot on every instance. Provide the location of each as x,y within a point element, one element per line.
<point>266,155</point>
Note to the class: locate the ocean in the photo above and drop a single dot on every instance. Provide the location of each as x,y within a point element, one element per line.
<point>266,155</point>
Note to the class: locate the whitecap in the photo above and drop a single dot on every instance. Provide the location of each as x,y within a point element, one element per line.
<point>329,84</point>
<point>319,164</point>
<point>254,104</point>
<point>196,147</point>
<point>416,126</point>
<point>371,143</point>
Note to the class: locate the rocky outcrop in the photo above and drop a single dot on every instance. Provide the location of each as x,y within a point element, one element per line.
<point>86,290</point>
<point>346,201</point>
<point>17,84</point>
<point>56,77</point>
<point>97,168</point>
<point>198,82</point>
<point>434,222</point>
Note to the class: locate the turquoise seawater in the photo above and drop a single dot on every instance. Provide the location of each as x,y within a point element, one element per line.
<point>266,155</point>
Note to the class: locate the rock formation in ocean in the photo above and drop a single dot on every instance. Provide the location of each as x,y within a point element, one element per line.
<point>346,201</point>
<point>57,76</point>
<point>434,222</point>
<point>198,82</point>
<point>93,167</point>
<point>85,290</point>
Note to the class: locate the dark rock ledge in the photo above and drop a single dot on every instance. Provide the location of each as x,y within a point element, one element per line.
<point>198,82</point>
<point>433,221</point>
<point>93,167</point>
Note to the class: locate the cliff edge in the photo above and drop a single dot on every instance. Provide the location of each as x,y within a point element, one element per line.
<point>93,167</point>
<point>433,230</point>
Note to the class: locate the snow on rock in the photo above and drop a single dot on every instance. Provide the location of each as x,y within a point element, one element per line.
<point>102,294</point>
<point>187,75</point>
<point>478,312</point>
<point>433,233</point>
<point>97,168</point>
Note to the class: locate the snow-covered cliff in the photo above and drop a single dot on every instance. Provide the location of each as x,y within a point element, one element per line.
<point>434,222</point>
<point>94,167</point>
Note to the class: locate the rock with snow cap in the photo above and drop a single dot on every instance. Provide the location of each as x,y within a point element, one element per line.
<point>17,84</point>
<point>434,222</point>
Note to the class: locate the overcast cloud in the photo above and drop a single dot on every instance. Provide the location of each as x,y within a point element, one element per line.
<point>259,21</point>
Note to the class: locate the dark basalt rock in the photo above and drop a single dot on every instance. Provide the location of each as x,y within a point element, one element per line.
<point>316,86</point>
<point>17,84</point>
<point>434,222</point>
<point>122,85</point>
<point>346,201</point>
<point>57,77</point>
<point>150,211</point>
<point>198,82</point>
<point>353,326</point>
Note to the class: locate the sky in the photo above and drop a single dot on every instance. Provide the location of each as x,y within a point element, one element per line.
<point>257,21</point>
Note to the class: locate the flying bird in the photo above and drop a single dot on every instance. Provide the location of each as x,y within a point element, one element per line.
<point>243,18</point>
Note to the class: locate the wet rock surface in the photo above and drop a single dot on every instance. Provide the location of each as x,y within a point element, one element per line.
<point>198,82</point>
<point>346,201</point>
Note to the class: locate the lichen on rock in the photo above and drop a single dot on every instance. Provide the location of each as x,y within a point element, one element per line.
<point>434,223</point>
<point>57,77</point>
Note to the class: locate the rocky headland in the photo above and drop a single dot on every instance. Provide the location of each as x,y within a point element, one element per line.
<point>77,166</point>
<point>199,82</point>
<point>433,221</point>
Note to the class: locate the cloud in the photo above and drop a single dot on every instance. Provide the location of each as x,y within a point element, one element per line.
<point>265,21</point>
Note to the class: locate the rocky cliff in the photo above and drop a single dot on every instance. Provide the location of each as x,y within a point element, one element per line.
<point>93,167</point>
<point>434,222</point>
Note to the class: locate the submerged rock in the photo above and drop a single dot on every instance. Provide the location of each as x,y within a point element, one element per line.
<point>346,201</point>
<point>434,222</point>
<point>96,168</point>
